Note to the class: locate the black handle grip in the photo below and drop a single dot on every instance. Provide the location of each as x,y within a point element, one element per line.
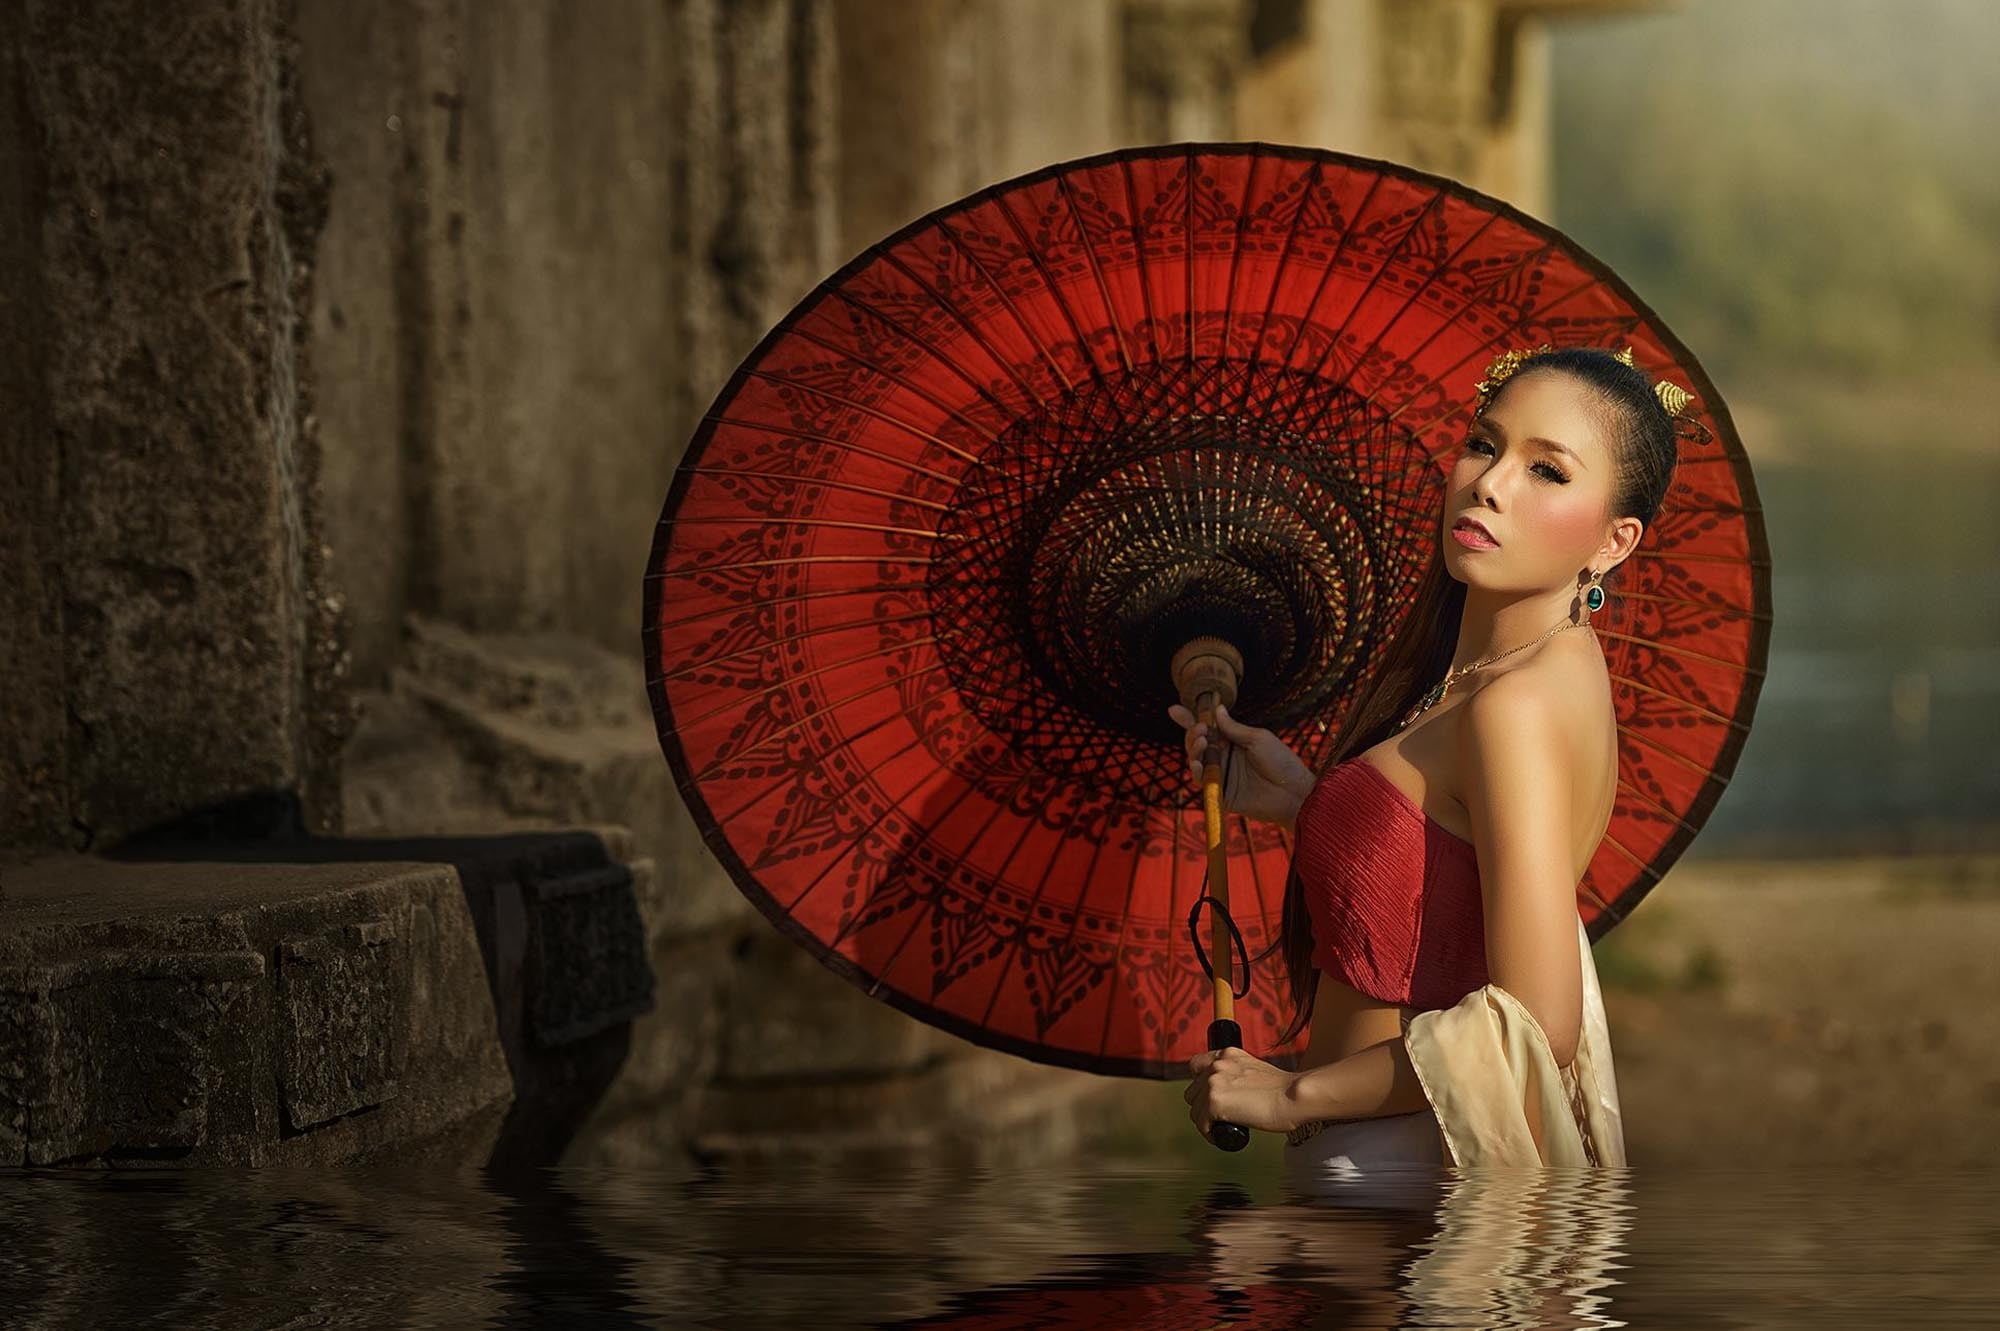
<point>1228,1136</point>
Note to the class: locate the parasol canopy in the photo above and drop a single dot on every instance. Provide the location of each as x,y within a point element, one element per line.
<point>911,604</point>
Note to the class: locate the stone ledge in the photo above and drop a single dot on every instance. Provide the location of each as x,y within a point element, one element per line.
<point>554,681</point>
<point>487,731</point>
<point>314,1000</point>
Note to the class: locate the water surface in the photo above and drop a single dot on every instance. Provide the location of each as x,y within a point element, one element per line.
<point>1110,1244</point>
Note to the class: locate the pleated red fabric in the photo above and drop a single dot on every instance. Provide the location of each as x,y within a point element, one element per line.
<point>1393,897</point>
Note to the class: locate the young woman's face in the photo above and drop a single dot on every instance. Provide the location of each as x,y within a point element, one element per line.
<point>1535,469</point>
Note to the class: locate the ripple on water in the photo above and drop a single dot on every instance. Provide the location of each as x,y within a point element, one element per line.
<point>1118,1244</point>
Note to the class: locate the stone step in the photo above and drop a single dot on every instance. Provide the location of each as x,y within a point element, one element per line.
<point>558,680</point>
<point>315,1000</point>
<point>465,754</point>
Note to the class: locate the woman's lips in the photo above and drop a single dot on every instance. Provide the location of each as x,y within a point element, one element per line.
<point>1473,537</point>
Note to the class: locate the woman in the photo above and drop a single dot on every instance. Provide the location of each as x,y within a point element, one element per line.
<point>1505,777</point>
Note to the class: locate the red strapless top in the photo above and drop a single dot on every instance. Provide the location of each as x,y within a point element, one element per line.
<point>1393,897</point>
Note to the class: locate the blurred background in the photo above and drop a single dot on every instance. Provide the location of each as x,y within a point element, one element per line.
<point>1793,187</point>
<point>346,354</point>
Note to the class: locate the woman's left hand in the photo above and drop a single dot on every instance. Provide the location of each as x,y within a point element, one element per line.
<point>1235,1086</point>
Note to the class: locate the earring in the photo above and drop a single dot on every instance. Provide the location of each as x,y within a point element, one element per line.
<point>1593,596</point>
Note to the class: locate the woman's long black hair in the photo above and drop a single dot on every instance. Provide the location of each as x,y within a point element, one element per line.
<point>1645,445</point>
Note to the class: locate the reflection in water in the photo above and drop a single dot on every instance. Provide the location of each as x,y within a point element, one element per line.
<point>556,1271</point>
<point>1114,1244</point>
<point>1523,1248</point>
<point>1498,1249</point>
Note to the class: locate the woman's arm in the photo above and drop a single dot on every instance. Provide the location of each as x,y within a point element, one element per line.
<point>1518,777</point>
<point>1368,1083</point>
<point>1236,1086</point>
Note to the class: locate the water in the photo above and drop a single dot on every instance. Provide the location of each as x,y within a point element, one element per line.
<point>1108,1244</point>
<point>1879,717</point>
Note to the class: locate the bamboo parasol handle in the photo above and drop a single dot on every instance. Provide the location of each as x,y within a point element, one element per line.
<point>1206,672</point>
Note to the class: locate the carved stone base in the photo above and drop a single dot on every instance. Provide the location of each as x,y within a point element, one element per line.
<point>316,1000</point>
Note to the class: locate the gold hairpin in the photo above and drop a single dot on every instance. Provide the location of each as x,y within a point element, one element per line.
<point>1504,365</point>
<point>1672,396</point>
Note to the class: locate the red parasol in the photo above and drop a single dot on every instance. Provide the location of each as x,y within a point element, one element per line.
<point>911,607</point>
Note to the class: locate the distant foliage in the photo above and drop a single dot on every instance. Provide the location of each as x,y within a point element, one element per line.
<point>1792,181</point>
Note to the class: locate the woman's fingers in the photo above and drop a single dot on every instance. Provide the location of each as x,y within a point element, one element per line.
<point>1197,747</point>
<point>1198,733</point>
<point>1231,729</point>
<point>1225,725</point>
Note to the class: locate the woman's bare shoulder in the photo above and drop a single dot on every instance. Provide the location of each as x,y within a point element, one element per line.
<point>1566,697</point>
<point>1567,687</point>
<point>1565,694</point>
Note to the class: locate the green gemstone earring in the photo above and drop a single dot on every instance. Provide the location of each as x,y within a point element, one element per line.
<point>1593,596</point>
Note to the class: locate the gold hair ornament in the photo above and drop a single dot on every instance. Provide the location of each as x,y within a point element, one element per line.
<point>1672,396</point>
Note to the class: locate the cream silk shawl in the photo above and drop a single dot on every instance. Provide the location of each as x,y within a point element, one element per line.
<point>1496,1091</point>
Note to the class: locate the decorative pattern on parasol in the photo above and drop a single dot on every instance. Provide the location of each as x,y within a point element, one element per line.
<point>911,605</point>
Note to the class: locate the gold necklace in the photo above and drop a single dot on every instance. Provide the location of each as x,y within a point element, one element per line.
<point>1437,691</point>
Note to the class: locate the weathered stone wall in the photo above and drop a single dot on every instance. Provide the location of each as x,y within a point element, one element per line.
<point>34,721</point>
<point>1184,60</point>
<point>555,229</point>
<point>936,101</point>
<point>169,642</point>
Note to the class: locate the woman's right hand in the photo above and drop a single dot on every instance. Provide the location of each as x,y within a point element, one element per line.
<point>1265,780</point>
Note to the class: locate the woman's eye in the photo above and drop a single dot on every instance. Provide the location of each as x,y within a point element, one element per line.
<point>1548,469</point>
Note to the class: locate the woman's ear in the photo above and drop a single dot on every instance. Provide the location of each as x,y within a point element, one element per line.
<point>1620,541</point>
